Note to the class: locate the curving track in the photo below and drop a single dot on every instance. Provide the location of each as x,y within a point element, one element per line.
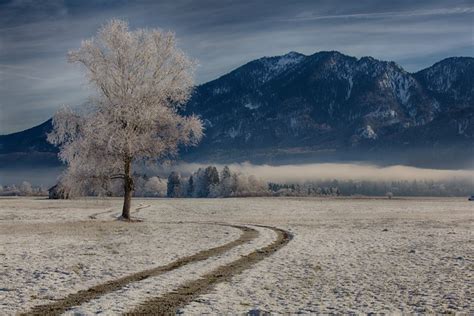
<point>169,302</point>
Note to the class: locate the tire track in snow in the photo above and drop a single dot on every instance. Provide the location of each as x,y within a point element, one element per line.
<point>94,216</point>
<point>140,207</point>
<point>169,303</point>
<point>62,305</point>
<point>112,209</point>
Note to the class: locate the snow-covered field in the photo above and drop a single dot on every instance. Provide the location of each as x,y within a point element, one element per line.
<point>346,255</point>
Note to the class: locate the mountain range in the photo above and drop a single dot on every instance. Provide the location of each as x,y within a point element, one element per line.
<point>323,107</point>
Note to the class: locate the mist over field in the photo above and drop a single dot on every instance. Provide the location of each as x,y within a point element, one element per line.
<point>330,171</point>
<point>294,173</point>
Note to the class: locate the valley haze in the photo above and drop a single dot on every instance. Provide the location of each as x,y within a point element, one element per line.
<point>323,108</point>
<point>297,173</point>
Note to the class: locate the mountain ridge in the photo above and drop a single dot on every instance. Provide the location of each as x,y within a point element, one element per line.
<point>324,102</point>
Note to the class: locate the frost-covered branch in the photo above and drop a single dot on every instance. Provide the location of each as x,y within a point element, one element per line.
<point>142,81</point>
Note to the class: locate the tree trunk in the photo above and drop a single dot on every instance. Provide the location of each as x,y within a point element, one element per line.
<point>128,190</point>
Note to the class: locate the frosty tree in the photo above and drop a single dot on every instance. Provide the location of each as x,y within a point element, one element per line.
<point>174,185</point>
<point>142,81</point>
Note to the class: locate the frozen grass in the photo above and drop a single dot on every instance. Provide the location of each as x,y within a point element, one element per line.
<point>361,255</point>
<point>124,300</point>
<point>52,248</point>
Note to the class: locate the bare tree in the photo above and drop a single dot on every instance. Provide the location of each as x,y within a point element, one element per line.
<point>142,81</point>
<point>155,187</point>
<point>174,185</point>
<point>26,188</point>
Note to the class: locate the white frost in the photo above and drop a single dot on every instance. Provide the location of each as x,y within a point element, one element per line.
<point>251,106</point>
<point>368,133</point>
<point>347,255</point>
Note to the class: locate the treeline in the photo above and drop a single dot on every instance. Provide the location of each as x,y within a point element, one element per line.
<point>209,182</point>
<point>204,183</point>
<point>24,189</point>
<point>307,189</point>
<point>376,188</point>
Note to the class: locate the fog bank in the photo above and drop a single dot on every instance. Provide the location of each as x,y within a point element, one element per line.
<point>297,173</point>
<point>329,171</point>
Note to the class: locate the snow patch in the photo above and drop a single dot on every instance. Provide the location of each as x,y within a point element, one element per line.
<point>462,127</point>
<point>293,123</point>
<point>382,114</point>
<point>220,90</point>
<point>233,133</point>
<point>349,90</point>
<point>251,106</point>
<point>287,60</point>
<point>277,65</point>
<point>368,133</point>
<point>399,83</point>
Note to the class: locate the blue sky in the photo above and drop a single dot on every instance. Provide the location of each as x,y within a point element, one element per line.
<point>35,36</point>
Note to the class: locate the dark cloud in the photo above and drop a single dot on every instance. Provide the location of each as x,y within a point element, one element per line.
<point>35,36</point>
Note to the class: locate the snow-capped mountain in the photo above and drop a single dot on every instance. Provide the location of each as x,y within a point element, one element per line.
<point>326,106</point>
<point>330,101</point>
<point>451,81</point>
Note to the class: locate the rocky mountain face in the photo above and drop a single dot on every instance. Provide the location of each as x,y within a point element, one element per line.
<point>308,106</point>
<point>327,106</point>
<point>451,81</point>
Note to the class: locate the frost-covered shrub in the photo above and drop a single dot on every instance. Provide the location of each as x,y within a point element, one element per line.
<point>306,189</point>
<point>249,186</point>
<point>210,183</point>
<point>155,187</point>
<point>25,188</point>
<point>174,186</point>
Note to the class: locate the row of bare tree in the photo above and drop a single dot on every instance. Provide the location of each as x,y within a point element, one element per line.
<point>209,182</point>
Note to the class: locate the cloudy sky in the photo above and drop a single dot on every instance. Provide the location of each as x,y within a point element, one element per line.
<point>35,36</point>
